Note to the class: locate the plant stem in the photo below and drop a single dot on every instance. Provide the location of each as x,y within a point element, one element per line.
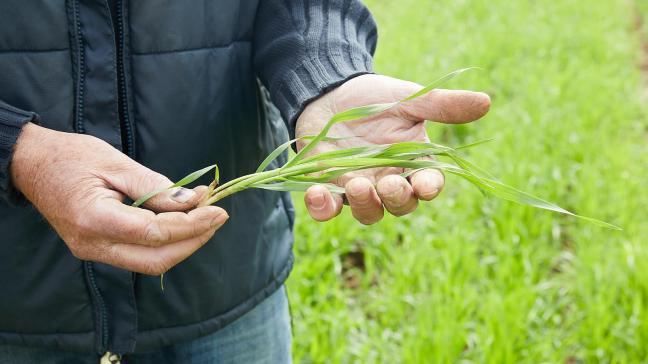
<point>244,182</point>
<point>269,176</point>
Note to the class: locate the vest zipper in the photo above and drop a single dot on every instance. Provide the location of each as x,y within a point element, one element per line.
<point>124,120</point>
<point>101,308</point>
<point>78,122</point>
<point>102,319</point>
<point>127,147</point>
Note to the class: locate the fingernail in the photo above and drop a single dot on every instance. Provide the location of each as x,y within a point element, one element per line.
<point>317,201</point>
<point>182,195</point>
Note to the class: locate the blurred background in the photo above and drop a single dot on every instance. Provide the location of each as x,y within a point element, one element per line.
<point>468,278</point>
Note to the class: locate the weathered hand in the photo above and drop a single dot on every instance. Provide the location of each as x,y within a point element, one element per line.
<point>369,190</point>
<point>78,183</point>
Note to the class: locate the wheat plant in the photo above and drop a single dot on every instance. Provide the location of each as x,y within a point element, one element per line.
<point>304,170</point>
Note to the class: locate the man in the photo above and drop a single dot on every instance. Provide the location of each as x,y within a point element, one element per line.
<point>104,101</point>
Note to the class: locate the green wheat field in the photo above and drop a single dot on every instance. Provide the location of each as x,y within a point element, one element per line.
<point>468,278</point>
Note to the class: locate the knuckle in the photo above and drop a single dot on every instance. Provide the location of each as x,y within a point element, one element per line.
<point>403,111</point>
<point>155,233</point>
<point>81,223</point>
<point>184,224</point>
<point>80,250</point>
<point>353,191</point>
<point>442,115</point>
<point>80,254</point>
<point>150,178</point>
<point>157,266</point>
<point>207,237</point>
<point>153,270</point>
<point>78,246</point>
<point>110,253</point>
<point>203,227</point>
<point>91,141</point>
<point>182,218</point>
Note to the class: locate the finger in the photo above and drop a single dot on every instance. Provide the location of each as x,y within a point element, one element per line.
<point>446,106</point>
<point>179,199</point>
<point>153,260</point>
<point>427,183</point>
<point>364,201</point>
<point>126,224</point>
<point>136,181</point>
<point>322,205</point>
<point>397,195</point>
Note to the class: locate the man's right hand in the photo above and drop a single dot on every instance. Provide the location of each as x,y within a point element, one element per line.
<point>79,182</point>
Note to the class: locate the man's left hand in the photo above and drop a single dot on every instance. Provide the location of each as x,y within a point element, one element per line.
<point>371,191</point>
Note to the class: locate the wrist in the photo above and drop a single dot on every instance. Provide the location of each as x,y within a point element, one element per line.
<point>12,121</point>
<point>24,161</point>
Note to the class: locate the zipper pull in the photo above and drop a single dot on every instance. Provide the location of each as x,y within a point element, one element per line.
<point>110,358</point>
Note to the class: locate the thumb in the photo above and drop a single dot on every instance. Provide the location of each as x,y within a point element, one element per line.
<point>137,180</point>
<point>445,106</point>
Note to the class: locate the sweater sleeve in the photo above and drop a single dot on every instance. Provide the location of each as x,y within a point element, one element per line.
<point>304,48</point>
<point>12,121</point>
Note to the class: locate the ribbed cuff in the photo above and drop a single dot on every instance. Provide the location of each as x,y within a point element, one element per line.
<point>12,121</point>
<point>315,77</point>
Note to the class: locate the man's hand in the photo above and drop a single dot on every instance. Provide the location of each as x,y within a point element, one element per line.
<point>78,183</point>
<point>369,190</point>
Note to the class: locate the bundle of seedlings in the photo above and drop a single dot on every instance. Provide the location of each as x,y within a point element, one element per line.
<point>304,170</point>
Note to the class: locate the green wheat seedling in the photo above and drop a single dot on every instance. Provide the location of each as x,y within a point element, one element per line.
<point>303,170</point>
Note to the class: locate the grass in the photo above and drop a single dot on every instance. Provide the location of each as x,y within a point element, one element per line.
<point>480,280</point>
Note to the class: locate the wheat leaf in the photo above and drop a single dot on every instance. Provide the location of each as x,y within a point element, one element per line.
<point>439,82</point>
<point>274,155</point>
<point>296,186</point>
<point>183,182</point>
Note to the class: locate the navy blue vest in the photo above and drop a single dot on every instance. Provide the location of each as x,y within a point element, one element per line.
<point>171,83</point>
